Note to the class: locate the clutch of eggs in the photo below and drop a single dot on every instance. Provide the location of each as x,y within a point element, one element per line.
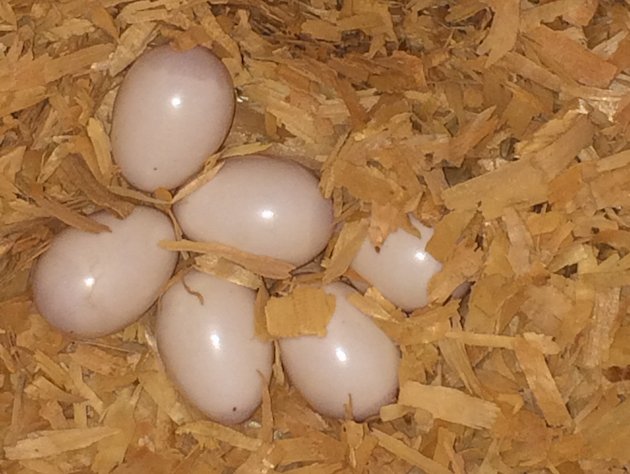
<point>173,110</point>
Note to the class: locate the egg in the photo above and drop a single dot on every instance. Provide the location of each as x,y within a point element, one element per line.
<point>91,285</point>
<point>206,340</point>
<point>401,270</point>
<point>261,205</point>
<point>173,110</point>
<point>354,360</point>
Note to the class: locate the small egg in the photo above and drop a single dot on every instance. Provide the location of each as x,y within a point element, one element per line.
<point>173,110</point>
<point>261,205</point>
<point>206,340</point>
<point>355,359</point>
<point>91,285</point>
<point>402,269</point>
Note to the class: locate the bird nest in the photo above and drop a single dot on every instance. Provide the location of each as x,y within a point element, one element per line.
<point>503,124</point>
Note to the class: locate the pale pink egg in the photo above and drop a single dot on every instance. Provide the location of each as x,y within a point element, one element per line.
<point>173,110</point>
<point>402,269</point>
<point>209,347</point>
<point>91,285</point>
<point>260,205</point>
<point>354,360</point>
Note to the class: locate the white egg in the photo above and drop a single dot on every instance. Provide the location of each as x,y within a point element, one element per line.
<point>261,205</point>
<point>209,348</point>
<point>173,110</point>
<point>402,269</point>
<point>355,359</point>
<point>91,285</point>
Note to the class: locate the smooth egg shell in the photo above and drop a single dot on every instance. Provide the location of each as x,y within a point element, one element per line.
<point>91,285</point>
<point>261,205</point>
<point>173,111</point>
<point>402,269</point>
<point>209,348</point>
<point>355,359</point>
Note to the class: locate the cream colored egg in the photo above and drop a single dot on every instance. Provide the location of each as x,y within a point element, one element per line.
<point>91,285</point>
<point>207,343</point>
<point>173,111</point>
<point>355,359</point>
<point>401,270</point>
<point>261,205</point>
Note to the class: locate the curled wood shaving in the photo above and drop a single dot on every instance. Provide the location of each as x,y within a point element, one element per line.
<point>578,12</point>
<point>305,311</point>
<point>102,148</point>
<point>602,327</point>
<point>450,405</point>
<point>119,416</point>
<point>545,344</point>
<point>577,62</point>
<point>457,359</point>
<point>215,431</point>
<point>263,266</point>
<point>42,444</point>
<point>523,182</point>
<point>43,389</point>
<point>347,245</point>
<point>153,379</point>
<point>428,326</point>
<point>313,446</point>
<point>132,42</point>
<point>223,268</point>
<point>76,172</point>
<point>63,213</point>
<point>542,384</point>
<point>410,455</point>
<point>503,33</point>
<point>371,306</point>
<point>597,432</point>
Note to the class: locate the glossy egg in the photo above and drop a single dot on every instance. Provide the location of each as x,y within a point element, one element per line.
<point>261,205</point>
<point>173,110</point>
<point>91,285</point>
<point>355,359</point>
<point>209,347</point>
<point>402,269</point>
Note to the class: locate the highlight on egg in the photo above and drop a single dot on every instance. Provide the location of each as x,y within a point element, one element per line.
<point>205,337</point>
<point>173,110</point>
<point>261,205</point>
<point>402,269</point>
<point>90,285</point>
<point>355,361</point>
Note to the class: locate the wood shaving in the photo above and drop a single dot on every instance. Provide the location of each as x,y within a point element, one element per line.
<point>49,443</point>
<point>263,266</point>
<point>410,455</point>
<point>449,404</point>
<point>209,429</point>
<point>542,383</point>
<point>305,311</point>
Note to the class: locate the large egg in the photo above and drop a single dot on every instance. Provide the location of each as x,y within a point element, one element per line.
<point>401,270</point>
<point>173,111</point>
<point>261,205</point>
<point>206,340</point>
<point>355,359</point>
<point>91,285</point>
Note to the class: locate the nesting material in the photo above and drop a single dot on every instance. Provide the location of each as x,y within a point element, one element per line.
<point>306,311</point>
<point>503,124</point>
